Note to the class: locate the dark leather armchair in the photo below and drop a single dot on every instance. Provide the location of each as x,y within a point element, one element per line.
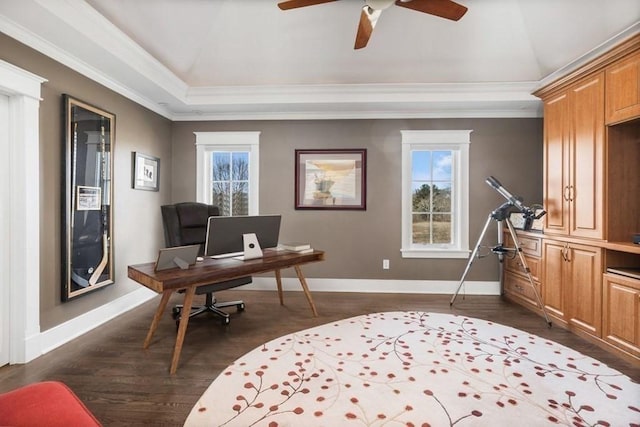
<point>186,224</point>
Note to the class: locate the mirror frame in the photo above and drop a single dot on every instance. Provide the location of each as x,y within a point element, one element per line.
<point>87,205</point>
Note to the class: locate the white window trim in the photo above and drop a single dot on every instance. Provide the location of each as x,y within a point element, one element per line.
<point>457,140</point>
<point>206,142</point>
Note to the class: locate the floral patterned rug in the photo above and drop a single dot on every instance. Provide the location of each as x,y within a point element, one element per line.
<point>416,369</point>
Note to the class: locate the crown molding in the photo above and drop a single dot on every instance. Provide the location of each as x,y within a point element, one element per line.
<point>354,93</point>
<point>112,59</point>
<point>620,44</point>
<point>361,101</point>
<point>109,57</point>
<point>532,109</point>
<point>88,22</point>
<point>56,53</point>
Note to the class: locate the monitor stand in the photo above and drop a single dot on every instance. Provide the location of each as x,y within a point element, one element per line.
<point>252,248</point>
<point>184,265</point>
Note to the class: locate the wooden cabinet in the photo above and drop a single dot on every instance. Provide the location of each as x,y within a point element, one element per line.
<point>591,183</point>
<point>572,290</point>
<point>621,323</point>
<point>623,90</point>
<point>574,158</point>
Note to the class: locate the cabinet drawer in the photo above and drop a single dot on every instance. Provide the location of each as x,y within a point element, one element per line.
<point>520,287</point>
<point>515,265</point>
<point>529,245</point>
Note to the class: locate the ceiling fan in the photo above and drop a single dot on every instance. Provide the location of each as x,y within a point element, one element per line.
<point>373,9</point>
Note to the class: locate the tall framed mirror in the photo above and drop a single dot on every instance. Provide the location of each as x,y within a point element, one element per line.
<point>87,220</point>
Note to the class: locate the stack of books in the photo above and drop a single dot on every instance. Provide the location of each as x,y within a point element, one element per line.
<point>301,248</point>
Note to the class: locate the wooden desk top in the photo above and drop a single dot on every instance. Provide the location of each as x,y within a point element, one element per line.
<point>217,270</point>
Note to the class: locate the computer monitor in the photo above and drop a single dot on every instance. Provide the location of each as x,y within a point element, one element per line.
<point>225,233</point>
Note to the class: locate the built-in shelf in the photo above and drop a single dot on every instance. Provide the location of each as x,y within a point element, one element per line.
<point>622,247</point>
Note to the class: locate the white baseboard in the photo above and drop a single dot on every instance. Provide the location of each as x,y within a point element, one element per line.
<point>379,286</point>
<point>65,332</point>
<point>71,329</point>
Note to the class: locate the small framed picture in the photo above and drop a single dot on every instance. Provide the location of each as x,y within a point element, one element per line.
<point>146,172</point>
<point>88,198</point>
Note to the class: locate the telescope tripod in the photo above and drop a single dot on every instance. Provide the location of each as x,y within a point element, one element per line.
<point>500,215</point>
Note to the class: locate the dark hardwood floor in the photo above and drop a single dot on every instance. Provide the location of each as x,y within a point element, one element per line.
<point>124,385</point>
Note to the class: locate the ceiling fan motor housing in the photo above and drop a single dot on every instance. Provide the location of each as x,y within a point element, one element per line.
<point>379,4</point>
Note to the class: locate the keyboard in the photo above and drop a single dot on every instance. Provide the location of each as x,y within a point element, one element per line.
<point>229,255</point>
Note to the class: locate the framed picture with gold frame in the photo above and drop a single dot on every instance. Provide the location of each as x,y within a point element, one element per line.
<point>87,192</point>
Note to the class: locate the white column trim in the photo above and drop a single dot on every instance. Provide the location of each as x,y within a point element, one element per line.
<point>23,90</point>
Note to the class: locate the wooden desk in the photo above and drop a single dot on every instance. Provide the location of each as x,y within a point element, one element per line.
<point>211,271</point>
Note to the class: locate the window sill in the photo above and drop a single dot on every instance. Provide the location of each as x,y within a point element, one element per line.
<point>434,253</point>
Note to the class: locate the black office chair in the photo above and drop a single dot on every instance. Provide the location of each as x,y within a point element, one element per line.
<point>186,224</point>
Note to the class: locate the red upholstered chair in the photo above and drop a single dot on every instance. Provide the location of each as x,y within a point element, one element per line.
<point>47,403</point>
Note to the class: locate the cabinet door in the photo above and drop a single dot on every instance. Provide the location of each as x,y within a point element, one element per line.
<point>583,305</point>
<point>587,158</point>
<point>556,165</point>
<point>554,254</point>
<point>621,323</point>
<point>623,90</point>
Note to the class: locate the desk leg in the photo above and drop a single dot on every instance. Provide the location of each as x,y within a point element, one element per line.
<point>279,283</point>
<point>182,329</point>
<point>305,288</point>
<point>157,317</point>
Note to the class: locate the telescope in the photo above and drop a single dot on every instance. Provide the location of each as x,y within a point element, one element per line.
<point>513,200</point>
<point>500,215</point>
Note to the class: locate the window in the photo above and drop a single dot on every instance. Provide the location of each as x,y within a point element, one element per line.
<point>435,194</point>
<point>227,171</point>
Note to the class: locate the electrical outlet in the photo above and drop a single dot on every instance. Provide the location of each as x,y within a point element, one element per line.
<point>385,264</point>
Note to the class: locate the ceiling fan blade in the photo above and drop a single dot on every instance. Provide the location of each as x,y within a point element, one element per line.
<point>293,4</point>
<point>368,19</point>
<point>443,8</point>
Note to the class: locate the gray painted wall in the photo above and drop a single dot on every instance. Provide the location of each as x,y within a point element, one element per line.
<point>137,223</point>
<point>356,241</point>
